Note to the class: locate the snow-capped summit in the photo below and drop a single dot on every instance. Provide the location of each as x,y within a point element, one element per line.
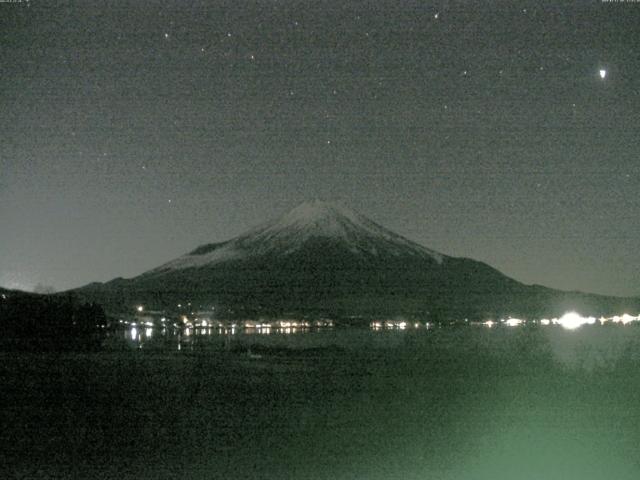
<point>309,221</point>
<point>317,211</point>
<point>324,218</point>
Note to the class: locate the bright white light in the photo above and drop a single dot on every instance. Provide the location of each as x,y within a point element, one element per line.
<point>626,318</point>
<point>489,323</point>
<point>573,320</point>
<point>140,308</point>
<point>513,322</point>
<point>545,321</point>
<point>134,333</point>
<point>603,73</point>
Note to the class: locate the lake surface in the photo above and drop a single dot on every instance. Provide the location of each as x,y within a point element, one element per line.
<point>449,403</point>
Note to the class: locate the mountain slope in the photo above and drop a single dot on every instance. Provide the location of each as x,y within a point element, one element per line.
<point>322,259</point>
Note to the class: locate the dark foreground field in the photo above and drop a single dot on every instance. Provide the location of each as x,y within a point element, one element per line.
<point>468,403</point>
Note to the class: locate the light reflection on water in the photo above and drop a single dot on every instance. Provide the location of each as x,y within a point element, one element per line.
<point>290,333</point>
<point>203,335</point>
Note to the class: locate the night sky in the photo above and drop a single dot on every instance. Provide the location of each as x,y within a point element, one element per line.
<point>132,132</point>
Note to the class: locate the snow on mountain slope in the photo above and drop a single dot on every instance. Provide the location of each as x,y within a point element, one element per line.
<point>288,234</point>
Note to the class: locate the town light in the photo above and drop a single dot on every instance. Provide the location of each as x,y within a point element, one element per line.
<point>513,322</point>
<point>573,320</point>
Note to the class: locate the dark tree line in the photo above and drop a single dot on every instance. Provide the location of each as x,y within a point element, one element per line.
<point>49,323</point>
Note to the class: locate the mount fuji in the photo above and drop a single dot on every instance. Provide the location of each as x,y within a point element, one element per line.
<point>324,259</point>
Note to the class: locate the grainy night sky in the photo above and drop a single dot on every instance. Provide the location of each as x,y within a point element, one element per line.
<point>133,131</point>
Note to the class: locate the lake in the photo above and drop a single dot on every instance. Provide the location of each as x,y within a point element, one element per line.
<point>439,403</point>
